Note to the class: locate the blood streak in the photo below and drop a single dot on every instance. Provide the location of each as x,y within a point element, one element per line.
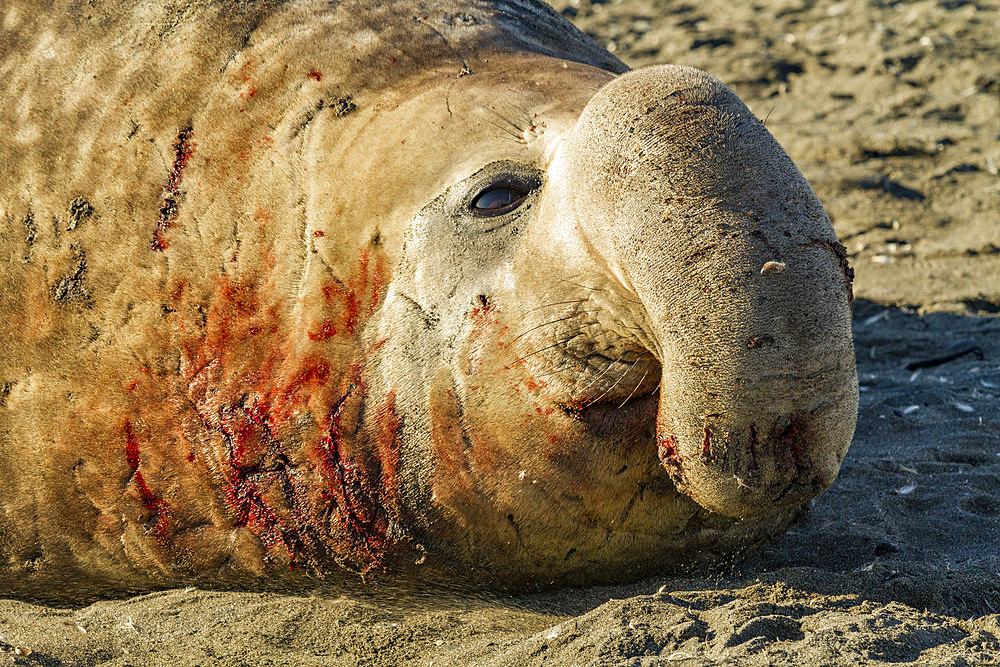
<point>359,522</point>
<point>369,281</point>
<point>246,75</point>
<point>533,384</point>
<point>255,463</point>
<point>788,443</point>
<point>279,419</point>
<point>669,456</point>
<point>313,373</point>
<point>326,330</point>
<point>486,326</point>
<point>169,209</point>
<point>178,290</point>
<point>389,424</point>
<point>153,504</point>
<point>706,446</point>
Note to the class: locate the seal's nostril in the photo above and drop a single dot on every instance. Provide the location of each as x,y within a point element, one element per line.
<point>761,342</point>
<point>706,447</point>
<point>745,462</point>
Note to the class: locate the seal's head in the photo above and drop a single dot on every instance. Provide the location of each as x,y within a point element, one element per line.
<point>622,348</point>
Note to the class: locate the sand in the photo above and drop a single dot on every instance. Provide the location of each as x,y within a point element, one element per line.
<point>892,110</point>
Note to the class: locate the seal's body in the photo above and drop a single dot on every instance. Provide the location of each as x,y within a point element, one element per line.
<point>304,287</point>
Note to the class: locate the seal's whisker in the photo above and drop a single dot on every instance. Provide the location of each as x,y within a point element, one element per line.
<point>564,366</point>
<point>593,289</point>
<point>545,324</point>
<point>637,385</point>
<point>558,342</point>
<point>617,382</point>
<point>561,369</point>
<point>513,135</point>
<point>556,303</point>
<point>602,373</point>
<point>530,354</point>
<point>526,115</point>
<point>518,128</point>
<point>602,289</point>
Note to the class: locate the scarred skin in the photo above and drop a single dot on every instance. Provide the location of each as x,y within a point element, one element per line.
<point>255,330</point>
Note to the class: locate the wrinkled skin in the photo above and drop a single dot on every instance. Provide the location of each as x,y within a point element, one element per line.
<point>256,327</point>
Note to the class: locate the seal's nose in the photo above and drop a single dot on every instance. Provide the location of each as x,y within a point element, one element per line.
<point>751,467</point>
<point>745,289</point>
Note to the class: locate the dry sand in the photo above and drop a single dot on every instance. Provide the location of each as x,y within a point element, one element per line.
<point>892,110</point>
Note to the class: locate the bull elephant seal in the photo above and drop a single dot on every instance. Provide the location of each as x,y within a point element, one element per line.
<point>301,288</point>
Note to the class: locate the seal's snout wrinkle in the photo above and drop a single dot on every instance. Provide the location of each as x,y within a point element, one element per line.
<point>474,299</point>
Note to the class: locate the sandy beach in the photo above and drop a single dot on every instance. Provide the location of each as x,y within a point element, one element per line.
<point>892,111</point>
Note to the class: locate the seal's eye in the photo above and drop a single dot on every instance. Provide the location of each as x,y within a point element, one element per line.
<point>498,199</point>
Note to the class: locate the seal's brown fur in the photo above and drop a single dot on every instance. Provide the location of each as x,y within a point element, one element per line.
<point>250,328</point>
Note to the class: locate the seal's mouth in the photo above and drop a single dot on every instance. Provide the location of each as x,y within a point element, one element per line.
<point>588,365</point>
<point>608,383</point>
<point>637,414</point>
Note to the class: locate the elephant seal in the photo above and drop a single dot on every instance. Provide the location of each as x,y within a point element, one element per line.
<point>293,289</point>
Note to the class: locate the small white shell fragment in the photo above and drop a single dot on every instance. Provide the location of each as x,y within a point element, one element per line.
<point>963,407</point>
<point>884,315</point>
<point>772,267</point>
<point>907,490</point>
<point>553,633</point>
<point>679,655</point>
<point>909,409</point>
